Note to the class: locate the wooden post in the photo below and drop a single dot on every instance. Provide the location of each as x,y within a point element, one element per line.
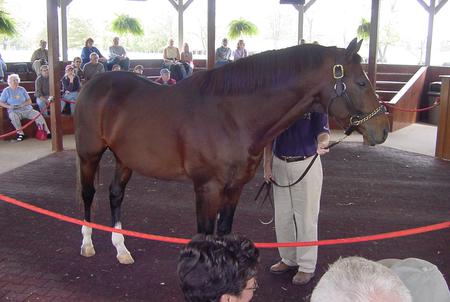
<point>180,25</point>
<point>443,133</point>
<point>54,75</point>
<point>373,43</point>
<point>64,4</point>
<point>431,12</point>
<point>211,33</point>
<point>301,14</point>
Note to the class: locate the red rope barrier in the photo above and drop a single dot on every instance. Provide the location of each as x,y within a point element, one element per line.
<point>27,124</point>
<point>435,104</point>
<point>408,232</point>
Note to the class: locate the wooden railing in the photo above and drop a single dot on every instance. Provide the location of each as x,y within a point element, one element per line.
<point>409,97</point>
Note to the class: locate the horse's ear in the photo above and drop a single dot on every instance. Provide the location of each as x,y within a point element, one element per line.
<point>352,48</point>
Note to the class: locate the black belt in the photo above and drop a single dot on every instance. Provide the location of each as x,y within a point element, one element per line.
<point>291,159</point>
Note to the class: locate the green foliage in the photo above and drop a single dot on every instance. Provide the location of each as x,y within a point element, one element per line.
<point>125,24</point>
<point>363,30</point>
<point>241,27</point>
<point>78,31</point>
<point>7,24</point>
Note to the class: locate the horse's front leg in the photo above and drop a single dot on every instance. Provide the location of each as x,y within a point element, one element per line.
<point>226,212</point>
<point>116,192</point>
<point>208,198</point>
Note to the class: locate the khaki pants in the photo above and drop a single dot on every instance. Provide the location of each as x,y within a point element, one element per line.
<point>297,210</point>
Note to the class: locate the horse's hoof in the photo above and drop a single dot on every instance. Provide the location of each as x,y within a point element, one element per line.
<point>87,251</point>
<point>125,258</point>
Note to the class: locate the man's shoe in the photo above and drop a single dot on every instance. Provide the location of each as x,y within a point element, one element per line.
<point>49,135</point>
<point>302,278</point>
<point>281,268</point>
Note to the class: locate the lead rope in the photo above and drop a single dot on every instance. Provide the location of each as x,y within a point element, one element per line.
<point>268,185</point>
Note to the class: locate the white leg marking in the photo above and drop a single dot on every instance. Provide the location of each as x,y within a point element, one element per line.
<point>123,255</point>
<point>87,248</point>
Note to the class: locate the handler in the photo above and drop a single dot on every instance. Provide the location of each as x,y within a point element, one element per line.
<point>297,207</point>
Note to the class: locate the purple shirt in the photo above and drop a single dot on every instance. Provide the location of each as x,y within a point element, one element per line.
<point>301,138</point>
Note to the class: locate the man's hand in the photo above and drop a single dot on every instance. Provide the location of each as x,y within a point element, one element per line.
<point>323,140</point>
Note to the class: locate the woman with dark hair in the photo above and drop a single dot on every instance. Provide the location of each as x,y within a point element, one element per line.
<point>218,269</point>
<point>88,49</point>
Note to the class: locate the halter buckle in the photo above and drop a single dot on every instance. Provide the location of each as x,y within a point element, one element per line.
<point>338,71</point>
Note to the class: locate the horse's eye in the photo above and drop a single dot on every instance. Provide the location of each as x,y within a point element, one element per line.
<point>361,83</point>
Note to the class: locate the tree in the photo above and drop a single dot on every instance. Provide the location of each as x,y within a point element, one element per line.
<point>124,25</point>
<point>7,24</point>
<point>363,31</point>
<point>241,27</point>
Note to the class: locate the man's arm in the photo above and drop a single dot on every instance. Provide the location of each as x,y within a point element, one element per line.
<point>267,162</point>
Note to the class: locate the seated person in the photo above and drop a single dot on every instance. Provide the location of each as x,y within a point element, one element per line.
<point>171,53</point>
<point>355,279</point>
<point>39,57</point>
<point>93,67</point>
<point>186,60</point>
<point>88,49</point>
<point>139,69</point>
<point>71,85</point>
<point>118,55</point>
<point>3,69</point>
<point>42,89</point>
<point>218,269</point>
<point>16,99</point>
<point>240,51</point>
<point>165,79</point>
<point>223,53</point>
<point>76,63</point>
<point>116,67</point>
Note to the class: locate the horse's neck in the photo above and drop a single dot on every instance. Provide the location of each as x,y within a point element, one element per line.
<point>274,112</point>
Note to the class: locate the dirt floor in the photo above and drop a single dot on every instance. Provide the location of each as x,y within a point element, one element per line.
<point>367,190</point>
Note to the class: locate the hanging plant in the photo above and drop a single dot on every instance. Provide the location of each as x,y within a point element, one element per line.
<point>125,24</point>
<point>7,24</point>
<point>241,27</point>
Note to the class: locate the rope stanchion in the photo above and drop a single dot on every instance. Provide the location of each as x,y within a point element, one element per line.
<point>435,104</point>
<point>382,236</point>
<point>27,124</point>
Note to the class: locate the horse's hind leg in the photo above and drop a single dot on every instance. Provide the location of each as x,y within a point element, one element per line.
<point>87,168</point>
<point>226,212</point>
<point>116,191</point>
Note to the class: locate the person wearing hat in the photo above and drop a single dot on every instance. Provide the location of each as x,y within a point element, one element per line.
<point>71,85</point>
<point>165,79</point>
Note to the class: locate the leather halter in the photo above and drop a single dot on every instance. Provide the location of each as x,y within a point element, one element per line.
<point>356,118</point>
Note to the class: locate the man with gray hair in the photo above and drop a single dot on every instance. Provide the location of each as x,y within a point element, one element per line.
<point>355,279</point>
<point>93,67</point>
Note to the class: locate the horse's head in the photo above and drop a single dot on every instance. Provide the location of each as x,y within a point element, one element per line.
<point>353,100</point>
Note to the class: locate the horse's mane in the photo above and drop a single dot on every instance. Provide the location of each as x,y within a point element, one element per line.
<point>263,70</point>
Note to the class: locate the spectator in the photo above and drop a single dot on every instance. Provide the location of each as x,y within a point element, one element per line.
<point>423,279</point>
<point>16,99</point>
<point>171,53</point>
<point>3,69</point>
<point>355,279</point>
<point>186,60</point>
<point>223,53</point>
<point>93,67</point>
<point>116,67</point>
<point>240,51</point>
<point>76,63</point>
<point>42,89</point>
<point>218,269</point>
<point>139,69</point>
<point>118,55</point>
<point>88,49</point>
<point>297,207</point>
<point>71,85</point>
<point>165,79</point>
<point>39,57</point>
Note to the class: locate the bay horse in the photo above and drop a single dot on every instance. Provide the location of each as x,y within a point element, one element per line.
<point>212,128</point>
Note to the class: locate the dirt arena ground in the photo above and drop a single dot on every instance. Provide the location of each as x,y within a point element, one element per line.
<point>367,190</point>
